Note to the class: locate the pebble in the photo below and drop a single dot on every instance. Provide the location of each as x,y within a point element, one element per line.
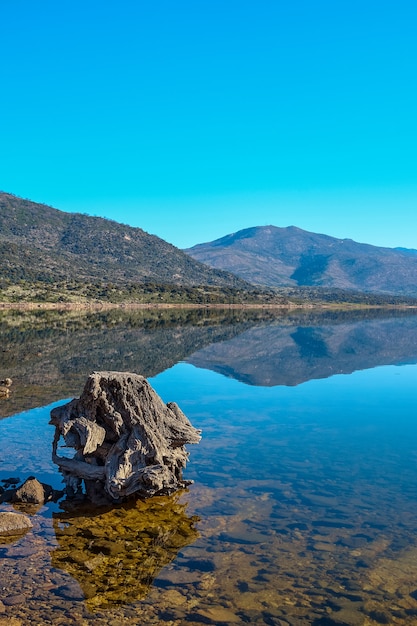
<point>219,615</point>
<point>249,537</point>
<point>174,598</point>
<point>178,577</point>
<point>347,617</point>
<point>68,592</point>
<point>323,547</point>
<point>13,600</point>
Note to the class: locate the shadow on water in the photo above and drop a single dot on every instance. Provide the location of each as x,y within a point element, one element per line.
<point>115,554</point>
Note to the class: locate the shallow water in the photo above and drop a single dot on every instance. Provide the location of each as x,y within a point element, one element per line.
<point>304,505</point>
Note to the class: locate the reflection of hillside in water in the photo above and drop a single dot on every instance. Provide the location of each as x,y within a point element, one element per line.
<point>115,555</point>
<point>49,354</point>
<point>280,354</point>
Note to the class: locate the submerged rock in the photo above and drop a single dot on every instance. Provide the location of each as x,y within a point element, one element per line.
<point>12,524</point>
<point>115,553</point>
<point>127,440</point>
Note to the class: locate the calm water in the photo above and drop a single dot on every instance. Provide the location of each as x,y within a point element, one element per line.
<point>304,505</point>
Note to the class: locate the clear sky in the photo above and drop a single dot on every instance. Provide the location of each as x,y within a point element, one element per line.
<point>196,118</point>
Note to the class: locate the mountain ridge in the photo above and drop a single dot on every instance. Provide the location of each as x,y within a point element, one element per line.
<point>48,255</point>
<point>282,257</point>
<point>39,242</point>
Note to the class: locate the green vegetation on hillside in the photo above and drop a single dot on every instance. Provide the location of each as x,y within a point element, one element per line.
<point>48,256</point>
<point>78,292</point>
<point>42,244</point>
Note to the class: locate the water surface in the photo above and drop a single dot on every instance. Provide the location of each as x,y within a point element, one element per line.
<point>303,509</point>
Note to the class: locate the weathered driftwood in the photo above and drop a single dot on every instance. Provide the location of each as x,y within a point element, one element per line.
<point>126,439</point>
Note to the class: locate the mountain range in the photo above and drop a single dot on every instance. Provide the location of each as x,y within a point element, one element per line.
<point>277,257</point>
<point>42,245</point>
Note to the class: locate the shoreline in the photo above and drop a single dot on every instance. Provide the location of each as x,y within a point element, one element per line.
<point>102,306</point>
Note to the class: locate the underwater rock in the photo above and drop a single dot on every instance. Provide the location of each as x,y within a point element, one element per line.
<point>127,440</point>
<point>115,553</point>
<point>12,524</point>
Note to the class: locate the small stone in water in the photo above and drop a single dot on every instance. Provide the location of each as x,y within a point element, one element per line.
<point>10,481</point>
<point>18,598</point>
<point>13,523</point>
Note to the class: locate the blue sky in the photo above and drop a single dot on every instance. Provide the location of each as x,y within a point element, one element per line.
<point>196,118</point>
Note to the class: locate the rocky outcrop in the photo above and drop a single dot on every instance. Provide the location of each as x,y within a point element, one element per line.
<point>127,440</point>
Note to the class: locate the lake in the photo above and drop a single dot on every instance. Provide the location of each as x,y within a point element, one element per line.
<point>303,508</point>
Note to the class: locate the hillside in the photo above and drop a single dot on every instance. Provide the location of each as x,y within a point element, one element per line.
<point>40,243</point>
<point>274,257</point>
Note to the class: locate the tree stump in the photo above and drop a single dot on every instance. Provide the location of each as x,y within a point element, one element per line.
<point>127,441</point>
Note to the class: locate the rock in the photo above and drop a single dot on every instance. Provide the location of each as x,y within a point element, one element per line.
<point>4,387</point>
<point>381,617</point>
<point>13,523</point>
<point>69,592</point>
<point>218,615</point>
<point>32,492</point>
<point>7,495</point>
<point>11,481</point>
<point>18,598</point>
<point>127,440</point>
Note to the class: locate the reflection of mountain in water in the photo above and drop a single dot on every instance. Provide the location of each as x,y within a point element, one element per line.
<point>49,354</point>
<point>279,354</point>
<point>115,555</point>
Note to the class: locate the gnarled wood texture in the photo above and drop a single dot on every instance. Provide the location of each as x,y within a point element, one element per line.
<point>127,440</point>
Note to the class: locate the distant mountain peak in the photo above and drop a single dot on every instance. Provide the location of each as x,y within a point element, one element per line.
<point>275,256</point>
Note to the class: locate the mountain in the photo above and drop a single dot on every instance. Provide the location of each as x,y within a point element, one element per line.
<point>40,243</point>
<point>273,257</point>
